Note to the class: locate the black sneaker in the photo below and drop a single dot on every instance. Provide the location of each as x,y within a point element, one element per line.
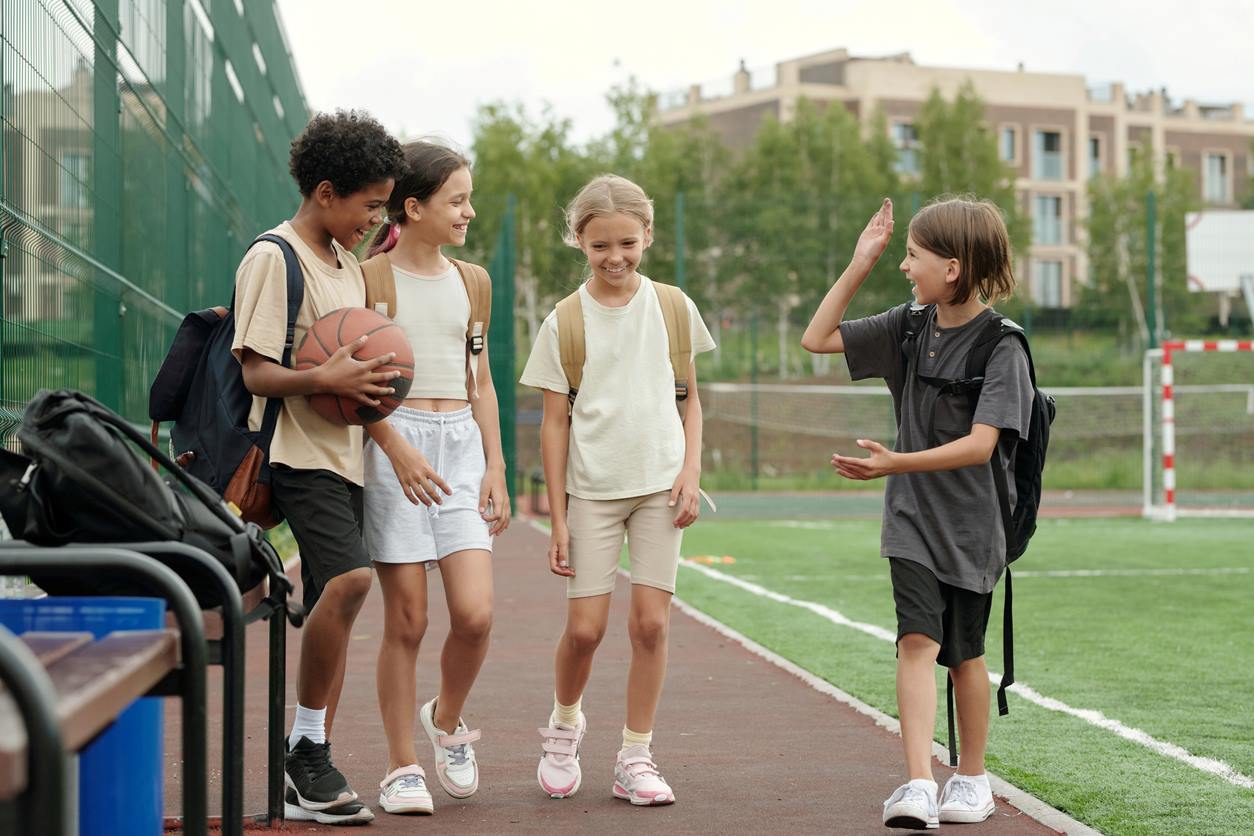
<point>354,812</point>
<point>318,785</point>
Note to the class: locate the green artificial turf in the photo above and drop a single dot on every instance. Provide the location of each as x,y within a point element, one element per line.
<point>1169,654</point>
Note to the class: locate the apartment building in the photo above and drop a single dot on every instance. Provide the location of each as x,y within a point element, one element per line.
<point>1055,130</point>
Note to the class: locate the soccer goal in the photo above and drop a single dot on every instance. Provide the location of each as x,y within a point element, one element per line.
<point>1198,429</point>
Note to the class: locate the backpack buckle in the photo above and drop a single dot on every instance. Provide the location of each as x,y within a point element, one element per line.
<point>681,390</point>
<point>475,344</point>
<point>570,397</point>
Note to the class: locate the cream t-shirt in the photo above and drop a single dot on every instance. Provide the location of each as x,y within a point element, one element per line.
<point>626,437</point>
<point>303,439</point>
<point>433,311</point>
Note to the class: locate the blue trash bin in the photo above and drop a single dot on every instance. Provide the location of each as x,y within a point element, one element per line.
<point>120,775</point>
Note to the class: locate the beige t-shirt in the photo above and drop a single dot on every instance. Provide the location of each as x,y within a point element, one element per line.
<point>432,311</point>
<point>303,439</point>
<point>626,437</point>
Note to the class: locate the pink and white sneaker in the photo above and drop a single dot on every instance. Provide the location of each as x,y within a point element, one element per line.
<point>558,773</point>
<point>636,778</point>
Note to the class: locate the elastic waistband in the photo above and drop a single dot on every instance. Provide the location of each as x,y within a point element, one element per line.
<point>422,416</point>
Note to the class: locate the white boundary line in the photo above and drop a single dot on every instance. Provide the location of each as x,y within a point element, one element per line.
<point>1052,573</point>
<point>1029,804</point>
<point>1093,717</point>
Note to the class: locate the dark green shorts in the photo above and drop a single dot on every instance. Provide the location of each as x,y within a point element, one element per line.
<point>324,511</point>
<point>954,618</point>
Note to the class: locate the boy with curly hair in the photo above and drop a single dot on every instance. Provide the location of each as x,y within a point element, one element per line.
<point>345,165</point>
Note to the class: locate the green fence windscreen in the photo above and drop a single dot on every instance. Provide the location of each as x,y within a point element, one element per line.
<point>145,144</point>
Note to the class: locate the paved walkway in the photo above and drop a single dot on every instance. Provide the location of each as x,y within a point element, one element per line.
<point>748,746</point>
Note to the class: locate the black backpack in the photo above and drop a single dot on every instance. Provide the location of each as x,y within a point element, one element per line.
<point>200,387</point>
<point>1029,465</point>
<point>82,480</point>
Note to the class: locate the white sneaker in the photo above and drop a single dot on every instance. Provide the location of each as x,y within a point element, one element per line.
<point>637,780</point>
<point>966,798</point>
<point>913,806</point>
<point>404,790</point>
<point>559,773</point>
<point>455,763</point>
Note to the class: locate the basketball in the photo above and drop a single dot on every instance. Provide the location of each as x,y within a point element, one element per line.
<point>340,328</point>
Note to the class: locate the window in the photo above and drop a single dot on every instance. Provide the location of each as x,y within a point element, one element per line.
<point>1047,283</point>
<point>1007,144</point>
<point>73,180</point>
<point>1047,155</point>
<point>1215,185</point>
<point>906,141</point>
<point>1095,156</point>
<point>1047,220</point>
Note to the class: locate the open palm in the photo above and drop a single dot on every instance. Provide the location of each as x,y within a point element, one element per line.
<point>874,239</point>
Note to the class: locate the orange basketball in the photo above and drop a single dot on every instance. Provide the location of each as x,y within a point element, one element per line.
<point>340,328</point>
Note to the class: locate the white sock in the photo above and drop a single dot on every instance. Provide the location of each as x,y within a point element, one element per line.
<point>310,723</point>
<point>925,784</point>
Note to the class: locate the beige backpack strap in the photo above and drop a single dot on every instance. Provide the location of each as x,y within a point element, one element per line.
<point>570,342</point>
<point>380,285</point>
<point>679,335</point>
<point>479,292</point>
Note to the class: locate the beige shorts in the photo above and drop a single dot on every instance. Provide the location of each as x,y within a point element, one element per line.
<point>596,542</point>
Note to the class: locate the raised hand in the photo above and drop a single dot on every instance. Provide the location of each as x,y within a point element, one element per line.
<point>874,239</point>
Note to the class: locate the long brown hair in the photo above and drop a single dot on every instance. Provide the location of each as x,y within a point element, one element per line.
<point>973,232</point>
<point>428,165</point>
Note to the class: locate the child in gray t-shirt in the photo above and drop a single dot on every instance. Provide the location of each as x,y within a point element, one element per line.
<point>942,528</point>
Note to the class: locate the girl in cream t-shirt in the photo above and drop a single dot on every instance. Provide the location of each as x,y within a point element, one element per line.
<point>619,460</point>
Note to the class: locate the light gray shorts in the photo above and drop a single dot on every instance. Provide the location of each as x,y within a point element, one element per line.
<point>398,531</point>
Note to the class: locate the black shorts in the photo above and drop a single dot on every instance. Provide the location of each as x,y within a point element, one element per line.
<point>954,618</point>
<point>324,511</point>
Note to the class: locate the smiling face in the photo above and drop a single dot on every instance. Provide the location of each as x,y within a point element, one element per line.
<point>443,218</point>
<point>350,218</point>
<point>932,276</point>
<point>614,245</point>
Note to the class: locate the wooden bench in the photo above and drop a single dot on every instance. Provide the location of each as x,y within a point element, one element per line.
<point>94,682</point>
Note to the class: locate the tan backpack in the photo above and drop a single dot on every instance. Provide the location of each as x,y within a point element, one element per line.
<point>381,297</point>
<point>570,338</point>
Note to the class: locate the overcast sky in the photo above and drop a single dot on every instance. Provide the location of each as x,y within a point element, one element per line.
<point>423,68</point>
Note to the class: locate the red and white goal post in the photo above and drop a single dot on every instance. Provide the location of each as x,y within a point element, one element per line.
<point>1217,424</point>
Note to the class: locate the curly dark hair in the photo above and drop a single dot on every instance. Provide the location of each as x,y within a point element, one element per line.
<point>349,148</point>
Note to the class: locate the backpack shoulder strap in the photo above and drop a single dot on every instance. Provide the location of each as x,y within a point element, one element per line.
<point>380,285</point>
<point>479,291</point>
<point>570,341</point>
<point>678,333</point>
<point>992,334</point>
<point>911,326</point>
<point>295,298</point>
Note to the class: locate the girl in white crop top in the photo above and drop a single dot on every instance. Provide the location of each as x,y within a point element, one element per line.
<point>435,492</point>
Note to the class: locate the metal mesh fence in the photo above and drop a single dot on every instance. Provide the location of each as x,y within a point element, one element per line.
<point>145,143</point>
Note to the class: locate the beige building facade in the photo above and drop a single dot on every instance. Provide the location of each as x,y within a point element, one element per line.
<point>1056,131</point>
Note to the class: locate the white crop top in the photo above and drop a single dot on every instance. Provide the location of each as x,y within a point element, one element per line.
<point>433,311</point>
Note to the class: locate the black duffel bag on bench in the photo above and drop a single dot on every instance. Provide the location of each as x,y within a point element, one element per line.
<point>83,481</point>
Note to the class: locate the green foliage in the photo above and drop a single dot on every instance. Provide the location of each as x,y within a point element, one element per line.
<point>1116,291</point>
<point>1248,201</point>
<point>959,156</point>
<point>793,206</point>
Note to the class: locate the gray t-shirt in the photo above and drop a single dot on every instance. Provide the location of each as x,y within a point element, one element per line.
<point>948,520</point>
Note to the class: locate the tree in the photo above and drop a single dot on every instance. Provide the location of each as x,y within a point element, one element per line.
<point>1248,201</point>
<point>537,163</point>
<point>1115,293</point>
<point>959,156</point>
<point>792,208</point>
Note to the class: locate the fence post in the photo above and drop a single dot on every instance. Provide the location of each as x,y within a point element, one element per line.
<point>753,401</point>
<point>1151,288</point>
<point>106,180</point>
<point>501,341</point>
<point>680,244</point>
